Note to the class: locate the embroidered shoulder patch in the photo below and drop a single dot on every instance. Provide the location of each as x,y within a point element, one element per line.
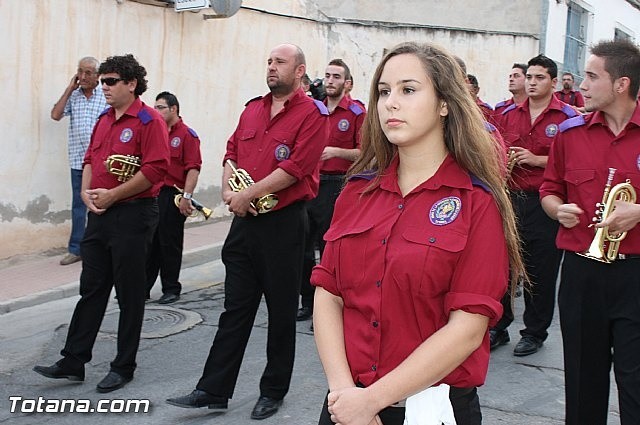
<point>282,152</point>
<point>445,210</point>
<point>551,130</point>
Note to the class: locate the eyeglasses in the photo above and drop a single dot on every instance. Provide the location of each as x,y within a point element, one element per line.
<point>110,81</point>
<point>160,107</point>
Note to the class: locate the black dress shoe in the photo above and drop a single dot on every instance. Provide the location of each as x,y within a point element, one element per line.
<point>112,382</point>
<point>304,313</point>
<point>527,345</point>
<point>199,398</point>
<point>265,407</point>
<point>498,337</point>
<point>56,371</point>
<point>168,298</point>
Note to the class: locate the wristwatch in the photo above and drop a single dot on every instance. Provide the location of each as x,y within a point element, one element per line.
<point>187,195</point>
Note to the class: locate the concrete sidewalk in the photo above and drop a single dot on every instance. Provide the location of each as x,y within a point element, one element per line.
<point>35,279</point>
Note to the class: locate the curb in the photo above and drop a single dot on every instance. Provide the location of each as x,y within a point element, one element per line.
<point>191,258</point>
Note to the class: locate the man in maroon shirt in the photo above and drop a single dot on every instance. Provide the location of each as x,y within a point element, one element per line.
<point>516,88</point>
<point>182,175</point>
<point>345,119</point>
<point>598,300</point>
<point>121,222</point>
<point>568,95</point>
<point>278,141</point>
<point>528,131</point>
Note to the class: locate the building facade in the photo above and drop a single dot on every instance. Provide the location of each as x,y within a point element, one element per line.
<point>215,65</point>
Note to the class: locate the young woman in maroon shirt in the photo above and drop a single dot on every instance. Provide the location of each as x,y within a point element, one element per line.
<point>419,249</point>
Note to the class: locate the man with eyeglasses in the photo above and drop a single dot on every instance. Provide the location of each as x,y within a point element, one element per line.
<point>82,101</point>
<point>122,218</point>
<point>182,175</point>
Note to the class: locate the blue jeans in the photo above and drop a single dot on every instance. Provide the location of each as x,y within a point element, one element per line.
<point>78,213</point>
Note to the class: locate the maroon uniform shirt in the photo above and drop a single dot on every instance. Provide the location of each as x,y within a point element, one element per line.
<point>537,138</point>
<point>184,147</point>
<point>293,141</point>
<point>141,132</point>
<point>577,172</point>
<point>570,97</point>
<point>403,264</point>
<point>344,123</point>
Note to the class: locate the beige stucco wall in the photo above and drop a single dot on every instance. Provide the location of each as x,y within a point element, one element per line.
<point>213,66</point>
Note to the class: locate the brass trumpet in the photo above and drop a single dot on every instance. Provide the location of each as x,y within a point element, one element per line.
<point>123,166</point>
<point>241,180</point>
<point>198,207</point>
<point>511,161</point>
<point>605,246</point>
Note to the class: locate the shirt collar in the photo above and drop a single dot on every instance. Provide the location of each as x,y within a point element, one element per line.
<point>448,174</point>
<point>597,117</point>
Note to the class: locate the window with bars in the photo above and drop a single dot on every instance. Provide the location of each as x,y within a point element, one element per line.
<point>620,34</point>
<point>575,46</point>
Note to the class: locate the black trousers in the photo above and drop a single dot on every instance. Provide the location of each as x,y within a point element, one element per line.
<point>262,255</point>
<point>465,403</point>
<point>114,251</point>
<point>600,321</point>
<point>165,256</point>
<point>542,260</point>
<point>320,212</point>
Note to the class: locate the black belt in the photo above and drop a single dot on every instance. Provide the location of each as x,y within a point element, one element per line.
<point>331,177</point>
<point>619,257</point>
<point>628,257</point>
<point>138,201</point>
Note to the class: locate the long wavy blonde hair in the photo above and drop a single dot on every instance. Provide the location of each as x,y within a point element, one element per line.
<point>465,137</point>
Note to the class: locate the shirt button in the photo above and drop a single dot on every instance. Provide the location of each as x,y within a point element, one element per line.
<point>400,206</point>
<point>384,241</point>
<point>432,239</point>
<point>375,324</point>
<point>378,283</point>
<point>374,368</point>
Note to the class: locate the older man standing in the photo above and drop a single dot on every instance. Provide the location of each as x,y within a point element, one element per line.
<point>279,140</point>
<point>82,100</point>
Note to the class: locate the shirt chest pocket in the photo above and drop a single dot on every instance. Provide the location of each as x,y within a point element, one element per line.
<point>354,248</point>
<point>429,259</point>
<point>577,177</point>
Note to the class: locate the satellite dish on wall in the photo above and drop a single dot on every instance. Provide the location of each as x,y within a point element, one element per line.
<point>225,8</point>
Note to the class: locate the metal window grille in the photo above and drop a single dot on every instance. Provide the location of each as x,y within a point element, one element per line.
<point>575,46</point>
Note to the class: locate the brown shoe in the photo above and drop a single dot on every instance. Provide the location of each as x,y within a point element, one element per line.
<point>70,259</point>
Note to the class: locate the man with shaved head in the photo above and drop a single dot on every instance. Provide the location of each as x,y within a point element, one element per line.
<point>278,141</point>
<point>82,101</point>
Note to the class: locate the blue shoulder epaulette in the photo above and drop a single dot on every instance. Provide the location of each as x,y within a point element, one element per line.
<point>356,109</point>
<point>477,182</point>
<point>490,127</point>
<point>251,100</point>
<point>104,111</point>
<point>500,104</point>
<point>571,122</point>
<point>193,133</point>
<point>145,116</point>
<point>569,111</point>
<point>510,108</point>
<point>486,105</point>
<point>321,107</point>
<point>365,175</point>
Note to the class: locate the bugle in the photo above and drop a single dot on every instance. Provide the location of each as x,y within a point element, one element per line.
<point>241,180</point>
<point>604,246</point>
<point>123,166</point>
<point>198,207</point>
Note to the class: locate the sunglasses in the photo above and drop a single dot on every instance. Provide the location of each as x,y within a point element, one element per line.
<point>111,81</point>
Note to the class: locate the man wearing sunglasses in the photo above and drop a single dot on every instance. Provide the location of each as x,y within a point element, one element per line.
<point>122,218</point>
<point>82,101</point>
